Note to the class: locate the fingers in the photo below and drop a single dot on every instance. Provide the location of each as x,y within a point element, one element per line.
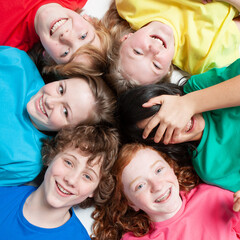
<point>168,135</point>
<point>160,132</point>
<point>236,199</point>
<point>150,126</point>
<point>153,101</point>
<point>206,1</point>
<point>236,205</point>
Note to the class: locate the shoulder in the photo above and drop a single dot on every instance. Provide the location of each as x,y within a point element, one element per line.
<point>208,193</point>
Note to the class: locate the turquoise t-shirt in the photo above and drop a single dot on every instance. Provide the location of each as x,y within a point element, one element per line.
<point>20,146</point>
<point>218,158</point>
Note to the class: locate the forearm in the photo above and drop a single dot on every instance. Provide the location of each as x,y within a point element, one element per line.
<point>222,95</point>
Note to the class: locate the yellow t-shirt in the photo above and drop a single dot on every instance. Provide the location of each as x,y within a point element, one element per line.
<point>205,35</point>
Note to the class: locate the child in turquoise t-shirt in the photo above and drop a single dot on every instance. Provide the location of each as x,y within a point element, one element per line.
<point>31,110</point>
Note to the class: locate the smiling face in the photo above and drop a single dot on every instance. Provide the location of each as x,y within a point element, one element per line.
<point>146,55</point>
<point>191,132</point>
<point>63,31</point>
<point>69,179</point>
<point>61,103</point>
<point>150,184</point>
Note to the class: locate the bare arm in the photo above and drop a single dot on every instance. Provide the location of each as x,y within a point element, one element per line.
<point>176,111</point>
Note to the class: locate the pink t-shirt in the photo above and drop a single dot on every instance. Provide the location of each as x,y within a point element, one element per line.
<point>17,24</point>
<point>206,214</point>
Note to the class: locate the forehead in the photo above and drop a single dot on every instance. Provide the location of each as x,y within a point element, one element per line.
<point>143,160</point>
<point>80,98</point>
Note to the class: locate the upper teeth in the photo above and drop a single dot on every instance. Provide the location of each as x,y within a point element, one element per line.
<point>62,189</point>
<point>189,125</point>
<point>57,25</point>
<point>41,106</point>
<point>164,196</point>
<point>156,38</point>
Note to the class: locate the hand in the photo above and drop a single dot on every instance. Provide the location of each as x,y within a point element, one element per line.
<point>236,201</point>
<point>206,1</point>
<point>174,114</point>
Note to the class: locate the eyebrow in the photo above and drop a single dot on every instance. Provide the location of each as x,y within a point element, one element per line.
<point>91,41</point>
<point>70,155</point>
<point>91,169</point>
<point>76,159</point>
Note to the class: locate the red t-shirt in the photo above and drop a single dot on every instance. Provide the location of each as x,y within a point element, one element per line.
<point>17,24</point>
<point>206,214</point>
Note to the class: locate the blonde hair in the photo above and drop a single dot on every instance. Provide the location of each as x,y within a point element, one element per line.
<point>115,77</point>
<point>98,57</point>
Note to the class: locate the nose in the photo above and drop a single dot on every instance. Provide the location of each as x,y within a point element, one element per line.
<point>153,49</point>
<point>66,36</point>
<point>50,102</point>
<point>72,178</point>
<point>156,186</point>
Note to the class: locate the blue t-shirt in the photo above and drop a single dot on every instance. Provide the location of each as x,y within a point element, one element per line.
<point>13,224</point>
<point>218,158</point>
<point>20,146</point>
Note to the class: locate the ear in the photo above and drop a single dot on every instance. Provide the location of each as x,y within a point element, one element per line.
<point>126,36</point>
<point>87,18</point>
<point>90,195</point>
<point>136,209</point>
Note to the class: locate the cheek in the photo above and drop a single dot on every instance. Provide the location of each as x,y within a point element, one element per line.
<point>55,121</point>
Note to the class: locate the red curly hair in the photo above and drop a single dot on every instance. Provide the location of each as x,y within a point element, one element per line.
<point>117,217</point>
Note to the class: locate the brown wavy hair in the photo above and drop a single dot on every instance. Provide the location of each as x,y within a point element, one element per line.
<point>117,217</point>
<point>99,142</point>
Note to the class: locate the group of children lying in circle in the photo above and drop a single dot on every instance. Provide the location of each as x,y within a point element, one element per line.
<point>88,114</point>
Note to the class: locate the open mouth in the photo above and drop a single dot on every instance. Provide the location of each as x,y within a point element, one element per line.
<point>41,106</point>
<point>62,190</point>
<point>57,25</point>
<point>157,38</point>
<point>189,126</point>
<point>165,196</point>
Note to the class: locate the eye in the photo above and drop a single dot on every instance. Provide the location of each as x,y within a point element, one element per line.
<point>60,89</point>
<point>65,53</point>
<point>156,65</point>
<point>84,36</point>
<point>158,170</point>
<point>88,177</point>
<point>137,52</point>
<point>68,163</point>
<point>139,186</point>
<point>65,112</point>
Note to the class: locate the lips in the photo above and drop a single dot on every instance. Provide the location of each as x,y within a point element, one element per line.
<point>56,25</point>
<point>62,190</point>
<point>190,125</point>
<point>164,196</point>
<point>42,107</point>
<point>160,40</point>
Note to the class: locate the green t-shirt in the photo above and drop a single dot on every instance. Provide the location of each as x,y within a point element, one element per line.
<point>218,158</point>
